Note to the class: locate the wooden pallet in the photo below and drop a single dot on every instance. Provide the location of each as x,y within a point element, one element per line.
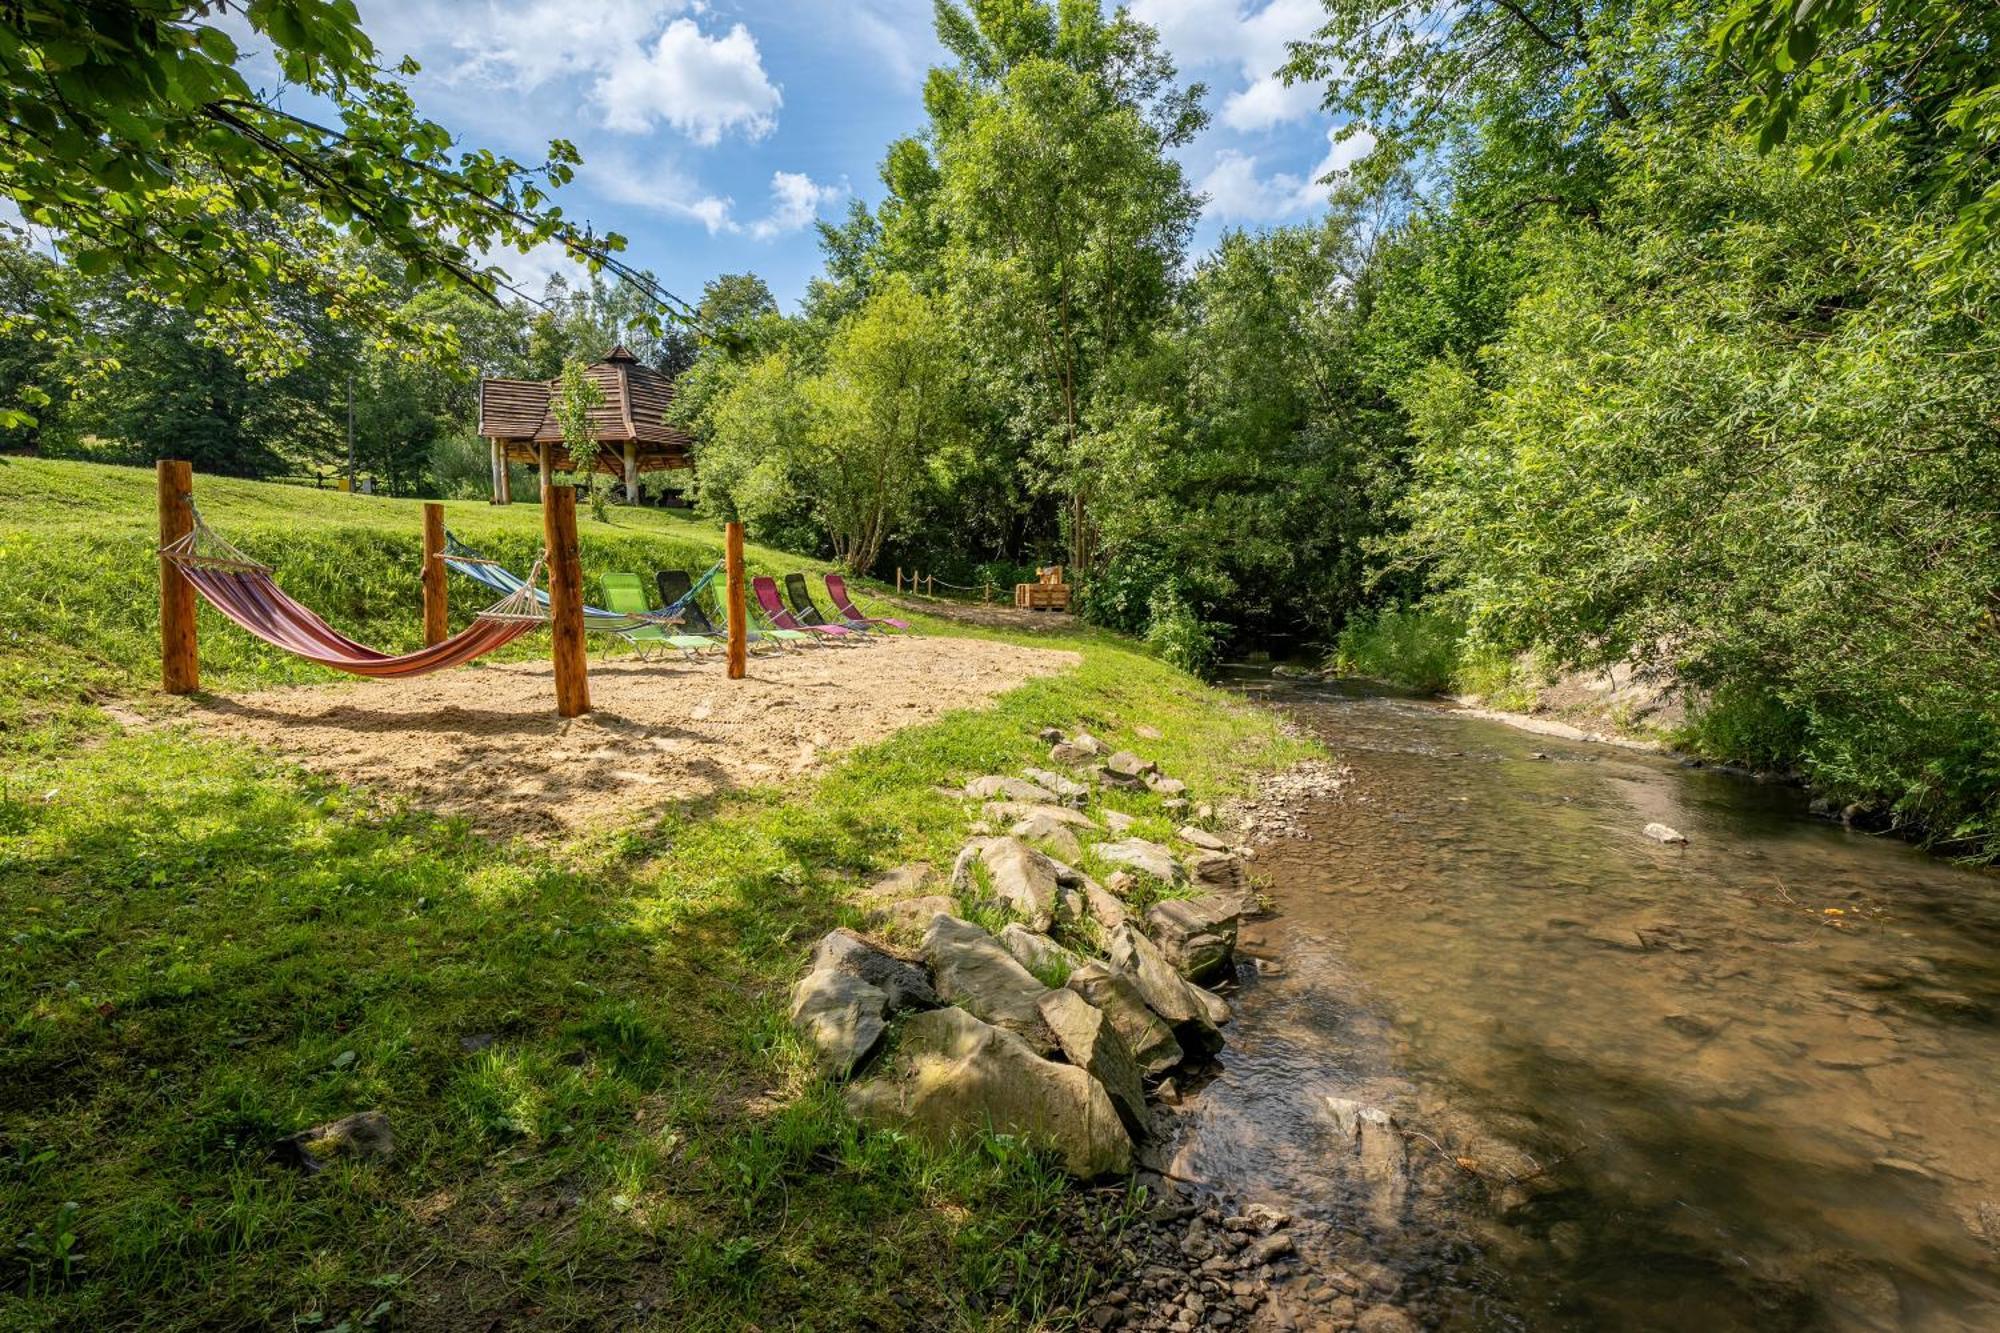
<point>1041,596</point>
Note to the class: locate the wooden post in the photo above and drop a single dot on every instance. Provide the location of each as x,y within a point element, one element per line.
<point>631,472</point>
<point>739,627</point>
<point>565,601</point>
<point>547,453</point>
<point>493,471</point>
<point>180,656</point>
<point>899,580</point>
<point>506,478</point>
<point>437,614</point>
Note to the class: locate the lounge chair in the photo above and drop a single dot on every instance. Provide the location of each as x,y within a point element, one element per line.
<point>679,593</point>
<point>625,594</point>
<point>843,605</point>
<point>766,589</point>
<point>808,611</point>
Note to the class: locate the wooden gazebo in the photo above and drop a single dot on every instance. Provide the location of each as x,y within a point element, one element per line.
<point>515,418</point>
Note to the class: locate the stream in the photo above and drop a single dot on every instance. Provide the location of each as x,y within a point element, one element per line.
<point>1752,1082</point>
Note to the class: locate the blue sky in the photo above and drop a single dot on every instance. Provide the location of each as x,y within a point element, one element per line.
<point>714,131</point>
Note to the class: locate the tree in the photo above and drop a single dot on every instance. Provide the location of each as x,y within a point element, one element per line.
<point>576,402</point>
<point>1923,75</point>
<point>886,419</point>
<point>126,127</point>
<point>1063,210</point>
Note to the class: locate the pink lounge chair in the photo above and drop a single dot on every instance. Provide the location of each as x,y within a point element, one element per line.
<point>843,606</point>
<point>774,610</point>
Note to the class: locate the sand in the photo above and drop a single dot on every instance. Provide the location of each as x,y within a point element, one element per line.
<point>484,742</point>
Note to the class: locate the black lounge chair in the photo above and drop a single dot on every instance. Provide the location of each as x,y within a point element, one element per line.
<point>677,590</point>
<point>803,607</point>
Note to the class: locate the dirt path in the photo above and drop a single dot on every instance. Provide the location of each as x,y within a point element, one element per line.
<point>485,742</point>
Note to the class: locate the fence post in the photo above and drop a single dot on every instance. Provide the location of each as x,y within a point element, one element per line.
<point>437,613</point>
<point>739,627</point>
<point>566,602</point>
<point>180,655</point>
<point>899,580</point>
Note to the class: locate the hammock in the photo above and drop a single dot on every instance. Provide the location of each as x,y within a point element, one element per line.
<point>244,592</point>
<point>465,560</point>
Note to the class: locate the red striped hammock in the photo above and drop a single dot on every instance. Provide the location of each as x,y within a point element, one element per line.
<point>244,592</point>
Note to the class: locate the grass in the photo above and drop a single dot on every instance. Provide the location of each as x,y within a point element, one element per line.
<point>602,1117</point>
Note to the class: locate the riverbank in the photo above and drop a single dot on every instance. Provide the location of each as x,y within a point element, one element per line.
<point>582,1103</point>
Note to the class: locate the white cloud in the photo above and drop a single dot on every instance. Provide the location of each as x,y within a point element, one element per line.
<point>1236,191</point>
<point>703,86</point>
<point>795,202</point>
<point>1204,34</point>
<point>661,187</point>
<point>643,62</point>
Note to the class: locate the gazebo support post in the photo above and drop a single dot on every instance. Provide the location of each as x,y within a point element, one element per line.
<point>548,454</point>
<point>739,616</point>
<point>506,478</point>
<point>180,656</point>
<point>437,616</point>
<point>494,455</point>
<point>631,472</point>
<point>566,601</point>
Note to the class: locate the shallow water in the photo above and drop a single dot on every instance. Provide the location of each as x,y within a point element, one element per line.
<point>1748,1083</point>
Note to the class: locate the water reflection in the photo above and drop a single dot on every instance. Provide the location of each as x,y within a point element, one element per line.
<point>1746,1083</point>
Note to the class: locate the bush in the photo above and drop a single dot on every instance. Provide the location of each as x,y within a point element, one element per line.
<point>1416,647</point>
<point>1179,635</point>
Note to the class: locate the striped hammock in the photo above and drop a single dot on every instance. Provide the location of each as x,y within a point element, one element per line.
<point>246,594</point>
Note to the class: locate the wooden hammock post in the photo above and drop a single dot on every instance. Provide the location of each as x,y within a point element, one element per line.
<point>180,657</point>
<point>739,627</point>
<point>566,601</point>
<point>437,627</point>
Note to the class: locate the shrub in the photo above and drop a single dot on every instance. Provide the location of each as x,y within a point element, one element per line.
<point>1416,647</point>
<point>1179,635</point>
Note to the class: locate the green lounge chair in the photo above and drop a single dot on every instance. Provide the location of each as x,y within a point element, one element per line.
<point>626,594</point>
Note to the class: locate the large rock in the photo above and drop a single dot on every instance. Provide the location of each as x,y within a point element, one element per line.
<point>1013,789</point>
<point>1037,952</point>
<point>1220,873</point>
<point>1023,879</point>
<point>1103,907</point>
<point>1202,838</point>
<point>1091,1042</point>
<point>364,1136</point>
<point>1147,857</point>
<point>1124,770</point>
<point>1052,834</point>
<point>1167,787</point>
<point>1146,1034</point>
<point>1006,812</point>
<point>903,982</point>
<point>840,1016</point>
<point>912,916</point>
<point>1197,935</point>
<point>954,1075</point>
<point>1665,833</point>
<point>1067,788</point>
<point>1165,991</point>
<point>1118,821</point>
<point>969,968</point>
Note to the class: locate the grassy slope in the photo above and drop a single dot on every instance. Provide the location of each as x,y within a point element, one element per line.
<point>602,1116</point>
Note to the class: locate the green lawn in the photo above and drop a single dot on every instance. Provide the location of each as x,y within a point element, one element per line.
<point>601,1116</point>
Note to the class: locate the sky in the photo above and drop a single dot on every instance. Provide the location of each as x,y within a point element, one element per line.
<point>714,132</point>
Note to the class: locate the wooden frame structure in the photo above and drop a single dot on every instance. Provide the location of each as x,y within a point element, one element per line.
<point>180,651</point>
<point>516,420</point>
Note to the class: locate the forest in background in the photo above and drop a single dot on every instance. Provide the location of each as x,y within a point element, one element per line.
<point>1651,331</point>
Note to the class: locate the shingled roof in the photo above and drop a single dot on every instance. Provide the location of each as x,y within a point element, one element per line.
<point>634,408</point>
